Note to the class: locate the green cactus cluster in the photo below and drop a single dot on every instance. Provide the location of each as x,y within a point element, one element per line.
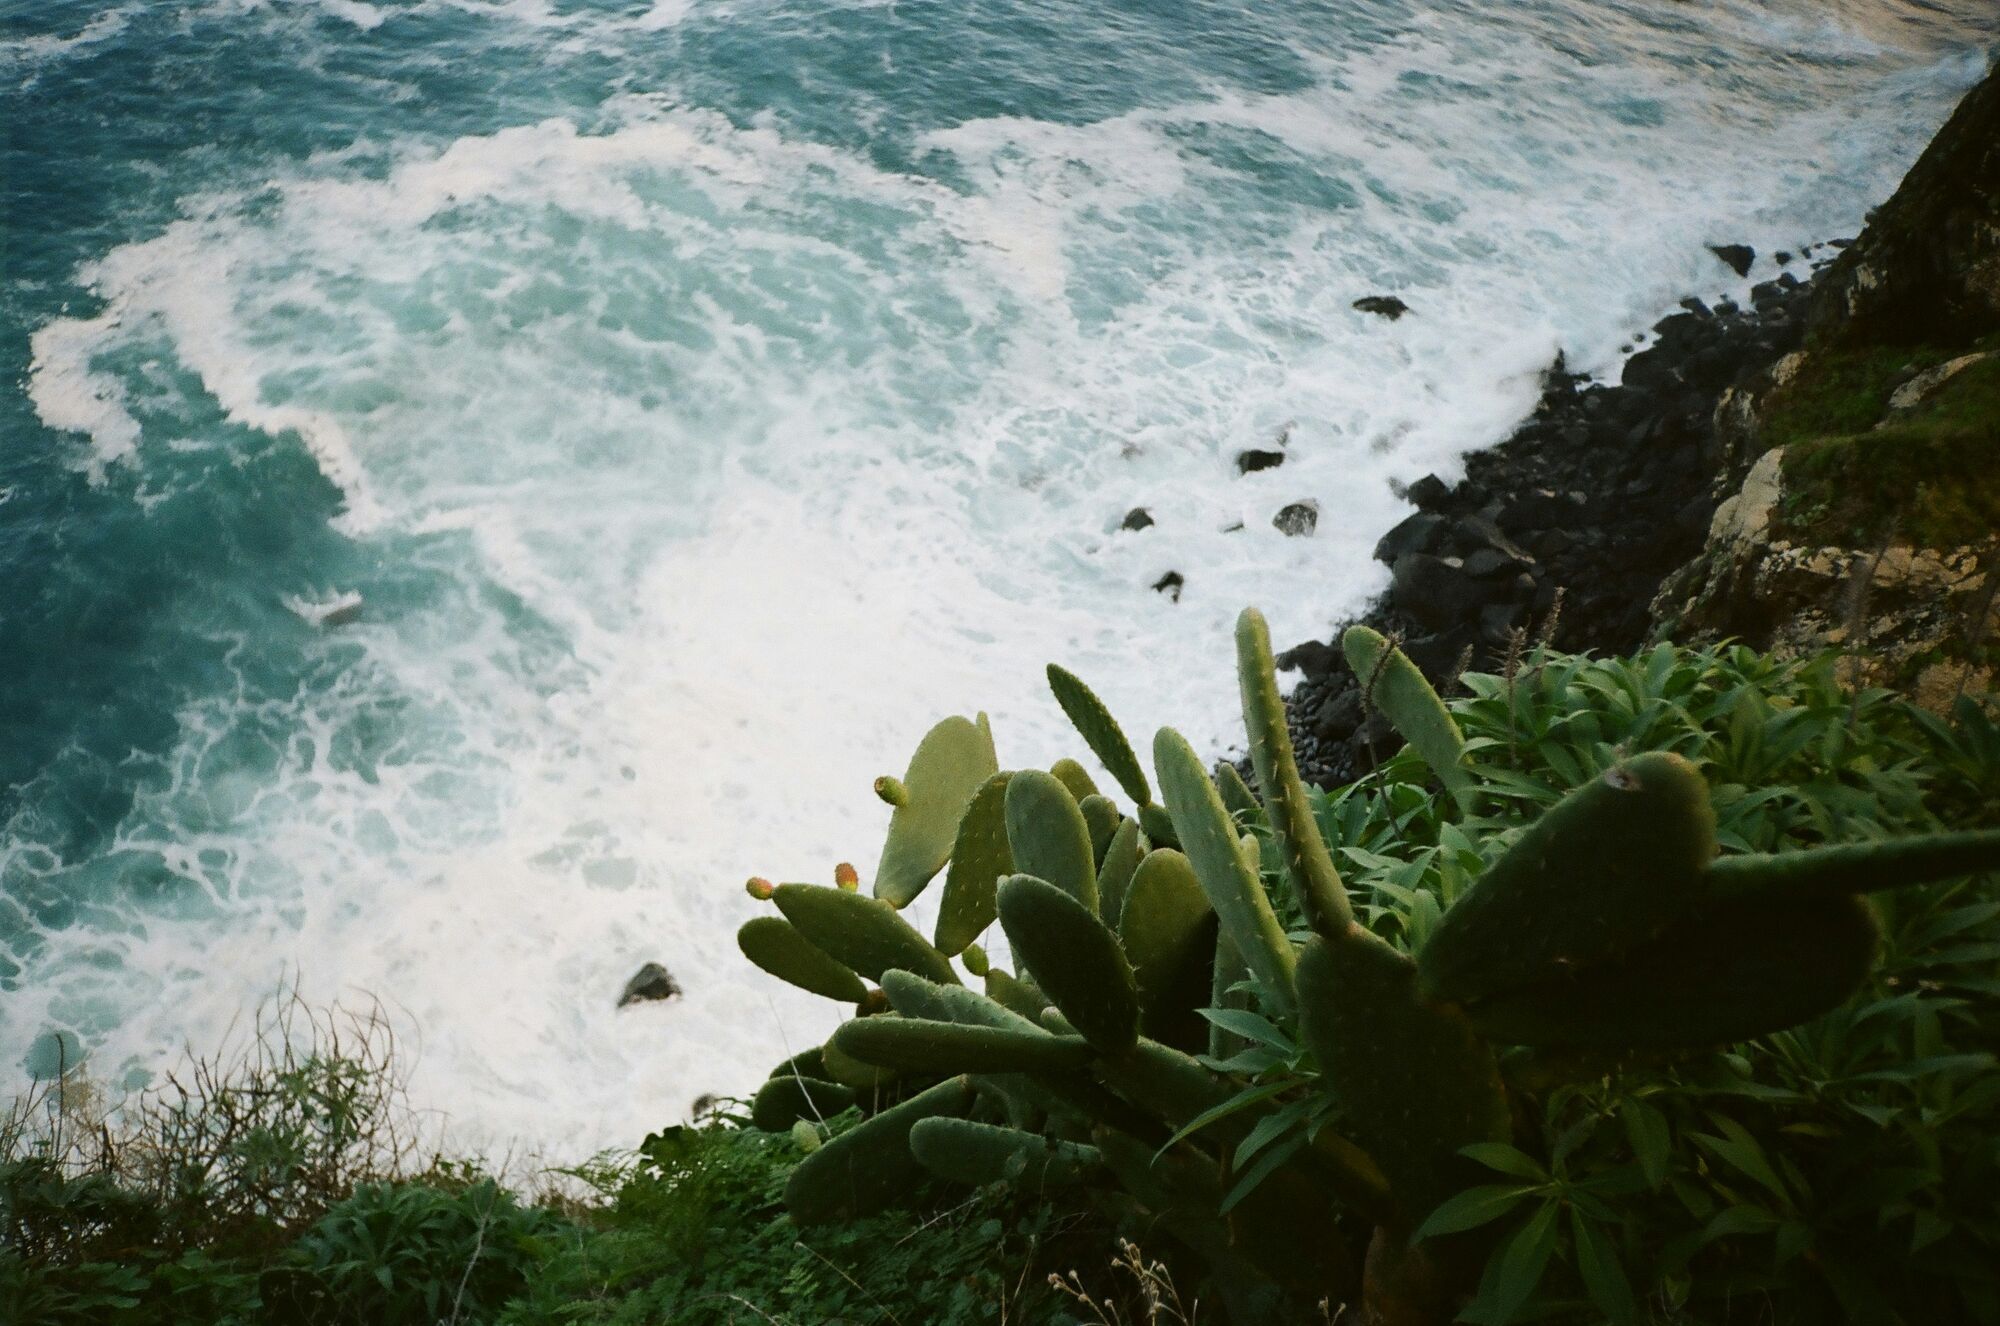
<point>1143,937</point>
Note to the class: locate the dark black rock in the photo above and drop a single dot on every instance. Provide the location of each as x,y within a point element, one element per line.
<point>1387,306</point>
<point>1420,533</point>
<point>1497,621</point>
<point>650,982</point>
<point>1491,564</point>
<point>1170,585</point>
<point>1737,257</point>
<point>1653,369</point>
<point>1249,462</point>
<point>1137,518</point>
<point>1435,591</point>
<point>1297,519</point>
<point>1596,498</point>
<point>1315,658</point>
<point>1782,258</point>
<point>1428,493</point>
<point>1339,715</point>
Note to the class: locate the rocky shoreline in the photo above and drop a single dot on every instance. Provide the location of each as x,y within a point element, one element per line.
<point>1564,531</point>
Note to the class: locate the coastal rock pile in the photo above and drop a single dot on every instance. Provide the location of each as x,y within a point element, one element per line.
<point>1819,471</point>
<point>1564,531</point>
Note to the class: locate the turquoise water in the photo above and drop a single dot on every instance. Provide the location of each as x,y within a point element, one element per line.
<point>700,398</point>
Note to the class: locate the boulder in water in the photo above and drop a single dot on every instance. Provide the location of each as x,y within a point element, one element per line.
<point>651,982</point>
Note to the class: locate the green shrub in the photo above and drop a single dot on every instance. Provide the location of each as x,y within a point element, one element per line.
<point>696,1233</point>
<point>411,1255</point>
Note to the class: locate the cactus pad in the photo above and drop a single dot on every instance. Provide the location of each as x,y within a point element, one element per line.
<point>1075,960</point>
<point>949,765</point>
<point>1609,867</point>
<point>1415,1082</point>
<point>1048,836</point>
<point>1169,933</point>
<point>1208,836</point>
<point>864,933</point>
<point>783,1101</point>
<point>944,1047</point>
<point>869,1167</point>
<point>1114,873</point>
<point>981,1153</point>
<point>1736,968</point>
<point>1397,687</point>
<point>776,946</point>
<point>1101,817</point>
<point>1306,860</point>
<point>1100,731</point>
<point>979,857</point>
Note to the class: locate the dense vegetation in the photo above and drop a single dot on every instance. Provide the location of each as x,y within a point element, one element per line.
<point>1843,1168</point>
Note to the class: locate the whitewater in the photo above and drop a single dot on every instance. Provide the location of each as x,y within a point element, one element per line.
<point>480,479</point>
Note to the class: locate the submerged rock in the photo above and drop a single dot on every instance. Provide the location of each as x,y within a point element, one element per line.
<point>650,983</point>
<point>1298,519</point>
<point>1737,257</point>
<point>1382,306</point>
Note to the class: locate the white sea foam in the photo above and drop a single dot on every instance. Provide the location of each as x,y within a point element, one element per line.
<point>729,461</point>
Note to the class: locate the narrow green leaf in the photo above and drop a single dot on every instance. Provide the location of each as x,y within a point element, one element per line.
<point>1603,1276</point>
<point>1474,1207</point>
<point>1515,1271</point>
<point>1247,1183</point>
<point>1646,1129</point>
<point>1500,1156</point>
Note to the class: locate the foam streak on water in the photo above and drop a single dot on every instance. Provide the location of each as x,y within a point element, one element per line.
<point>708,396</point>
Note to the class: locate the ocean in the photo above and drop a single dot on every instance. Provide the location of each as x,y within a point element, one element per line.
<point>480,478</point>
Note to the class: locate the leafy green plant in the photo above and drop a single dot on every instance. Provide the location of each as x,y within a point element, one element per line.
<point>411,1255</point>
<point>1596,930</point>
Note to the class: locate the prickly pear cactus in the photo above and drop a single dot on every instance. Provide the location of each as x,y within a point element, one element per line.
<point>1608,924</point>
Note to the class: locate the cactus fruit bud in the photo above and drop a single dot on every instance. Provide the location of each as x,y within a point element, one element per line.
<point>759,888</point>
<point>974,958</point>
<point>870,1004</point>
<point>845,876</point>
<point>891,790</point>
<point>805,1136</point>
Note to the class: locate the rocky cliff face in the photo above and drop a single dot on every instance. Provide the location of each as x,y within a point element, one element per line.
<point>1860,475</point>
